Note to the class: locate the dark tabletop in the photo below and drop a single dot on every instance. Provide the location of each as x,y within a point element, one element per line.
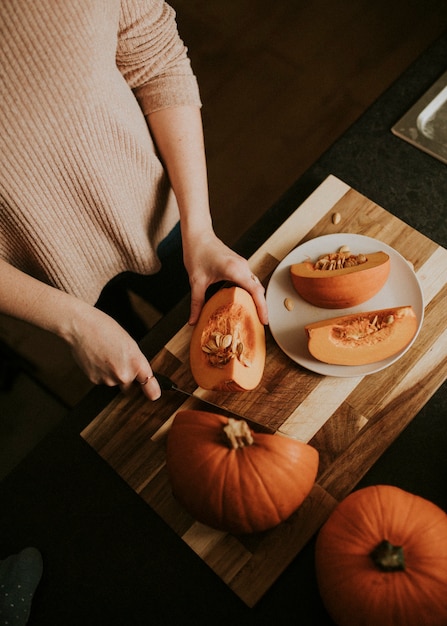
<point>108,559</point>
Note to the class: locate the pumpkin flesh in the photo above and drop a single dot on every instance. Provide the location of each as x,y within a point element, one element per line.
<point>341,288</point>
<point>362,338</point>
<point>227,349</point>
<point>244,490</point>
<point>356,591</point>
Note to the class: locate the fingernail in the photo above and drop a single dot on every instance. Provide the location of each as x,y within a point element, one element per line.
<point>155,391</point>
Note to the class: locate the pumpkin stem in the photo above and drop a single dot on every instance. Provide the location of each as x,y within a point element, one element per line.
<point>387,557</point>
<point>238,433</point>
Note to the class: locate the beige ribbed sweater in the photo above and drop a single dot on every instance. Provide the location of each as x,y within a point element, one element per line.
<point>83,195</point>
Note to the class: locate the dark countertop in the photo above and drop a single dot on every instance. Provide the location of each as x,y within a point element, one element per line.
<point>108,559</point>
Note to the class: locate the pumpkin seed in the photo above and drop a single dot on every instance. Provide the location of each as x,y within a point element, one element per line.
<point>217,338</point>
<point>226,341</point>
<point>245,361</point>
<point>336,217</point>
<point>212,346</point>
<point>289,304</point>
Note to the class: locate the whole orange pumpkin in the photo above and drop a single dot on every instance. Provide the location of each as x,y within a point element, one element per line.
<point>233,479</point>
<point>381,560</point>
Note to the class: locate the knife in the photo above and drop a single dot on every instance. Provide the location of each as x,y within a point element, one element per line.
<point>166,384</point>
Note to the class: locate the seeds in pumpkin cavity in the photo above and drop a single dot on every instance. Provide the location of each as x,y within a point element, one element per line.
<point>222,348</point>
<point>339,260</point>
<point>336,217</point>
<point>363,329</point>
<point>289,304</point>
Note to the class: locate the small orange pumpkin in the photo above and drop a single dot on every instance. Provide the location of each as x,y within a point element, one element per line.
<point>227,349</point>
<point>233,479</point>
<point>381,560</point>
<point>344,287</point>
<point>362,338</point>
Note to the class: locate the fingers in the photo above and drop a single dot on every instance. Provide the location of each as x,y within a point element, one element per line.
<point>239,272</point>
<point>252,284</point>
<point>258,294</point>
<point>137,371</point>
<point>197,300</point>
<point>149,385</point>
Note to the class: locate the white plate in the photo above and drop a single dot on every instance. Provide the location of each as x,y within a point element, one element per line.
<point>402,288</point>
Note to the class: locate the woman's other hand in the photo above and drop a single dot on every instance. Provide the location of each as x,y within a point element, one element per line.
<point>178,134</point>
<point>208,260</point>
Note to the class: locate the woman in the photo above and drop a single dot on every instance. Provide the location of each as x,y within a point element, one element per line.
<point>102,153</point>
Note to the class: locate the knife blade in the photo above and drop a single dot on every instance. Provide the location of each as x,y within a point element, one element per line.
<point>166,384</point>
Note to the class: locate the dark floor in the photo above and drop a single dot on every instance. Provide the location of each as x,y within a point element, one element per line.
<point>27,412</point>
<point>279,82</point>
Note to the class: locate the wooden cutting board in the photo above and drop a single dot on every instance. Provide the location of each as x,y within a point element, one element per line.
<point>348,420</point>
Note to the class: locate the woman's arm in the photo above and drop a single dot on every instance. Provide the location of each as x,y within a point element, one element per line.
<point>179,137</point>
<point>154,62</point>
<point>104,350</point>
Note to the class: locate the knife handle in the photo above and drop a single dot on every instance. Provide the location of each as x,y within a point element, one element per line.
<point>164,381</point>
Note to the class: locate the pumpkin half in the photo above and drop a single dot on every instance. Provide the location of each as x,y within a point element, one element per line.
<point>232,479</point>
<point>344,287</point>
<point>381,559</point>
<point>227,349</point>
<point>362,338</point>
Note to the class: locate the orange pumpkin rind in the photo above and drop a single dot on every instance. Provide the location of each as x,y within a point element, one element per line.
<point>341,288</point>
<point>227,349</point>
<point>239,489</point>
<point>362,338</point>
<point>354,588</point>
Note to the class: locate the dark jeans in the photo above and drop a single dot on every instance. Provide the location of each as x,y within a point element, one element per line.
<point>162,290</point>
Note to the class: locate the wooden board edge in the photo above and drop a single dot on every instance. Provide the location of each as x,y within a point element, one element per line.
<point>283,544</point>
<point>320,201</point>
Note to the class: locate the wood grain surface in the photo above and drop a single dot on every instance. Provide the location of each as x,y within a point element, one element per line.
<point>351,421</point>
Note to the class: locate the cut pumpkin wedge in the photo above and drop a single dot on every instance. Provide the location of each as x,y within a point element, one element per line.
<point>362,338</point>
<point>227,350</point>
<point>341,288</point>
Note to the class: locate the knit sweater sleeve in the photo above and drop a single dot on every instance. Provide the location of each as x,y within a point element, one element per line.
<point>152,57</point>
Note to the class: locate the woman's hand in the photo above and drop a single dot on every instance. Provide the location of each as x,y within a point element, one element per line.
<point>208,260</point>
<point>108,355</point>
<point>104,351</point>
